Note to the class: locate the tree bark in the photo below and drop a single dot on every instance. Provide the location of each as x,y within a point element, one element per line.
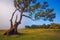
<point>13,28</point>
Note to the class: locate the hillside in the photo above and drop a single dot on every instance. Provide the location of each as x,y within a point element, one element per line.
<point>33,34</point>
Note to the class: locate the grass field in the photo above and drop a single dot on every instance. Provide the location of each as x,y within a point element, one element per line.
<point>33,34</point>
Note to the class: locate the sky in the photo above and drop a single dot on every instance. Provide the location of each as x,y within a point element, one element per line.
<point>7,8</point>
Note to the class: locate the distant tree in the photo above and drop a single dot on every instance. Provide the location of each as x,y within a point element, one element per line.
<point>54,26</point>
<point>33,8</point>
<point>48,26</point>
<point>27,26</point>
<point>43,26</point>
<point>35,26</point>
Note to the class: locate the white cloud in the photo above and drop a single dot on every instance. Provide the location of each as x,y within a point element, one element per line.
<point>6,10</point>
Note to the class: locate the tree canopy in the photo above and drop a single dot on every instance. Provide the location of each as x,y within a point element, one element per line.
<point>36,9</point>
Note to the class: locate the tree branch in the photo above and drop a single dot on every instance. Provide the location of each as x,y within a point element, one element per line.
<point>28,17</point>
<point>16,18</point>
<point>12,18</point>
<point>13,14</point>
<point>19,22</point>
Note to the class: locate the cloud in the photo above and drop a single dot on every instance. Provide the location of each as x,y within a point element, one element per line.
<point>6,10</point>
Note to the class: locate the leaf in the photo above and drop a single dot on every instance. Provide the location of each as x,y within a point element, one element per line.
<point>45,5</point>
<point>33,1</point>
<point>30,14</point>
<point>36,6</point>
<point>49,10</point>
<point>15,3</point>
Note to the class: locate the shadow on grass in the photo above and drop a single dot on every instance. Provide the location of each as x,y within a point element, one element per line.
<point>19,34</point>
<point>23,34</point>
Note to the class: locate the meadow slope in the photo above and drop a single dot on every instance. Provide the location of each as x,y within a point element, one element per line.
<point>33,34</point>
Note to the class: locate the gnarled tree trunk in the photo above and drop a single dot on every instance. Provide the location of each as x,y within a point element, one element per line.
<point>13,28</point>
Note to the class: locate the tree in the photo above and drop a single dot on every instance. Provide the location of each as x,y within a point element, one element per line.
<point>33,8</point>
<point>43,26</point>
<point>54,26</point>
<point>27,26</point>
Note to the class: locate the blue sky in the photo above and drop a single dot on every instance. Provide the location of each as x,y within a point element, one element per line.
<point>7,8</point>
<point>55,4</point>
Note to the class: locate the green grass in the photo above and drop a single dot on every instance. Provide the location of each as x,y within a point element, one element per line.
<point>33,34</point>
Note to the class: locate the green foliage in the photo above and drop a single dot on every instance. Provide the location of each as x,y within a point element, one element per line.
<point>31,6</point>
<point>27,26</point>
<point>15,3</point>
<point>44,26</point>
<point>45,13</point>
<point>37,26</point>
<point>54,26</point>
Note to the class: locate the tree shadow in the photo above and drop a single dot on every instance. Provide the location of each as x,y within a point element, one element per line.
<point>23,34</point>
